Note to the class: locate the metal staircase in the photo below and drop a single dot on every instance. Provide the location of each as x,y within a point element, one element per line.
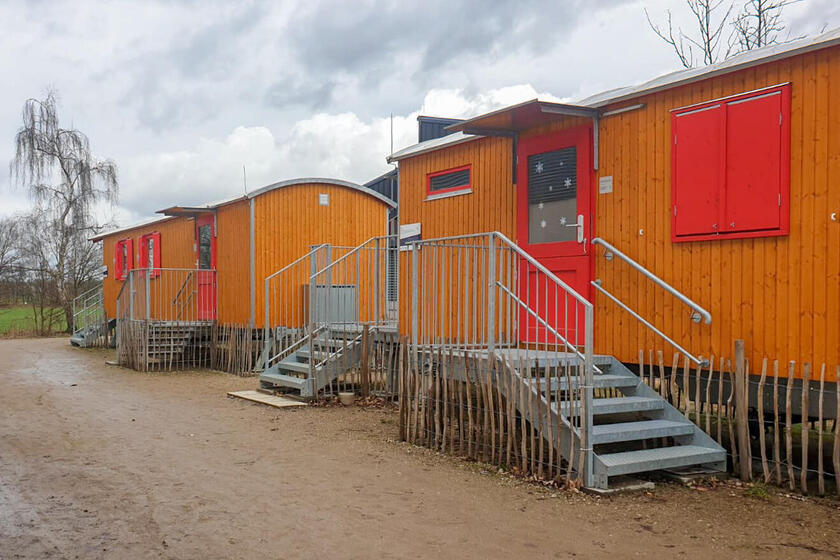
<point>634,430</point>
<point>90,327</point>
<point>316,363</point>
<point>483,293</point>
<point>317,308</point>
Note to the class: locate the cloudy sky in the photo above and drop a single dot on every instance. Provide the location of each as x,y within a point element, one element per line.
<point>183,94</point>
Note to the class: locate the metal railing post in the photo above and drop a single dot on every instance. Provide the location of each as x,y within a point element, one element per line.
<point>588,342</point>
<point>415,332</point>
<point>313,269</point>
<point>491,295</point>
<point>376,273</point>
<point>148,296</point>
<point>130,295</point>
<point>265,324</point>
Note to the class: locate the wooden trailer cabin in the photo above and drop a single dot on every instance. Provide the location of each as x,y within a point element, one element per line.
<point>190,288</point>
<point>722,181</point>
<point>677,216</point>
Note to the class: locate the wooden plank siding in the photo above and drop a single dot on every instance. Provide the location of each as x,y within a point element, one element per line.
<point>177,236</point>
<point>289,221</point>
<point>233,262</point>
<point>780,294</point>
<point>491,206</point>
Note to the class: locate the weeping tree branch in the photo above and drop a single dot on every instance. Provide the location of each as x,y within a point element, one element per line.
<point>66,183</point>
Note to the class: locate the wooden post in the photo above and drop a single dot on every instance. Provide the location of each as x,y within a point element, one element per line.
<point>709,396</point>
<point>777,456</point>
<point>820,474</point>
<point>365,370</point>
<point>663,388</point>
<point>741,406</point>
<point>789,425</point>
<point>720,402</point>
<point>730,414</point>
<point>806,390</point>
<point>836,455</point>
<point>760,402</point>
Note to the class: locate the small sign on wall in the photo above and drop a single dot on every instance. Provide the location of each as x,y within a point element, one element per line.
<point>324,199</point>
<point>605,184</point>
<point>409,232</point>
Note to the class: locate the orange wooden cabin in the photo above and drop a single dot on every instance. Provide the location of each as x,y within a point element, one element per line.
<point>208,264</point>
<point>722,181</point>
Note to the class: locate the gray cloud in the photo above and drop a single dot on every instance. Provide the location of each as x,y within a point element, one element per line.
<point>182,94</point>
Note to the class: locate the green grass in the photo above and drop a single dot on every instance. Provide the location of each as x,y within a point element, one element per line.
<point>19,320</point>
<point>757,491</point>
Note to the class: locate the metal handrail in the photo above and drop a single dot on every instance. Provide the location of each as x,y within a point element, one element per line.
<point>699,312</point>
<point>699,361</point>
<point>346,255</point>
<point>544,324</point>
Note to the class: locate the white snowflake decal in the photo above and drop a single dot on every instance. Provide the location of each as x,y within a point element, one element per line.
<point>542,223</point>
<point>568,182</point>
<point>563,220</point>
<point>539,167</point>
<point>550,188</point>
<point>540,205</point>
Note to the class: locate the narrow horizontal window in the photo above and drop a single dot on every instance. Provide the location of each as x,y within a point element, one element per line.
<point>449,181</point>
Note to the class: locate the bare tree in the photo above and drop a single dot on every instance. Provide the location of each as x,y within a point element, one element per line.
<point>759,24</point>
<point>66,182</point>
<point>9,256</point>
<point>711,17</point>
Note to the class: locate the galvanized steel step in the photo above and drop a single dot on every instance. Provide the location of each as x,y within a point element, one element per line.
<point>615,405</point>
<point>281,380</point>
<point>634,431</point>
<point>598,381</point>
<point>628,462</point>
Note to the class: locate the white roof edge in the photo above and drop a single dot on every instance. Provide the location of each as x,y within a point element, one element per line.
<point>143,223</point>
<point>740,61</point>
<point>325,181</point>
<point>431,146</point>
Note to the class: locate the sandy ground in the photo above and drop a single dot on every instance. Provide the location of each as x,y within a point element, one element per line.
<point>101,462</point>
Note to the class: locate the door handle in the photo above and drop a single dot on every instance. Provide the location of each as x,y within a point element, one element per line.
<point>579,226</point>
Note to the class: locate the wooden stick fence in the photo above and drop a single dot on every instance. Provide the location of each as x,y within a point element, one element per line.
<point>171,346</point>
<point>778,429</point>
<point>466,404</point>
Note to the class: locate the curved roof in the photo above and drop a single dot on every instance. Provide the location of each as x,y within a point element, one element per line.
<point>179,210</point>
<point>324,181</point>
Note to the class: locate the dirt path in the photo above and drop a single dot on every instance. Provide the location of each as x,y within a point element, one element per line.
<point>101,462</point>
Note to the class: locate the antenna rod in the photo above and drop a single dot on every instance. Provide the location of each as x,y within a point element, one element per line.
<point>244,179</point>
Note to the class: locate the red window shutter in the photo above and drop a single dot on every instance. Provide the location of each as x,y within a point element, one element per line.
<point>129,243</point>
<point>144,251</point>
<point>697,153</point>
<point>753,163</point>
<point>118,271</point>
<point>156,253</point>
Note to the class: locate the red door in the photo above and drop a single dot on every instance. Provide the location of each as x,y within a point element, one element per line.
<point>554,211</point>
<point>205,242</point>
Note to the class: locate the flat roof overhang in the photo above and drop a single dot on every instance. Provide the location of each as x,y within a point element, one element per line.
<point>186,210</point>
<point>516,118</point>
<point>510,121</point>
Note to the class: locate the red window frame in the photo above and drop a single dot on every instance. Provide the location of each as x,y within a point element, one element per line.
<point>154,237</point>
<point>127,244</point>
<point>459,188</point>
<point>784,167</point>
